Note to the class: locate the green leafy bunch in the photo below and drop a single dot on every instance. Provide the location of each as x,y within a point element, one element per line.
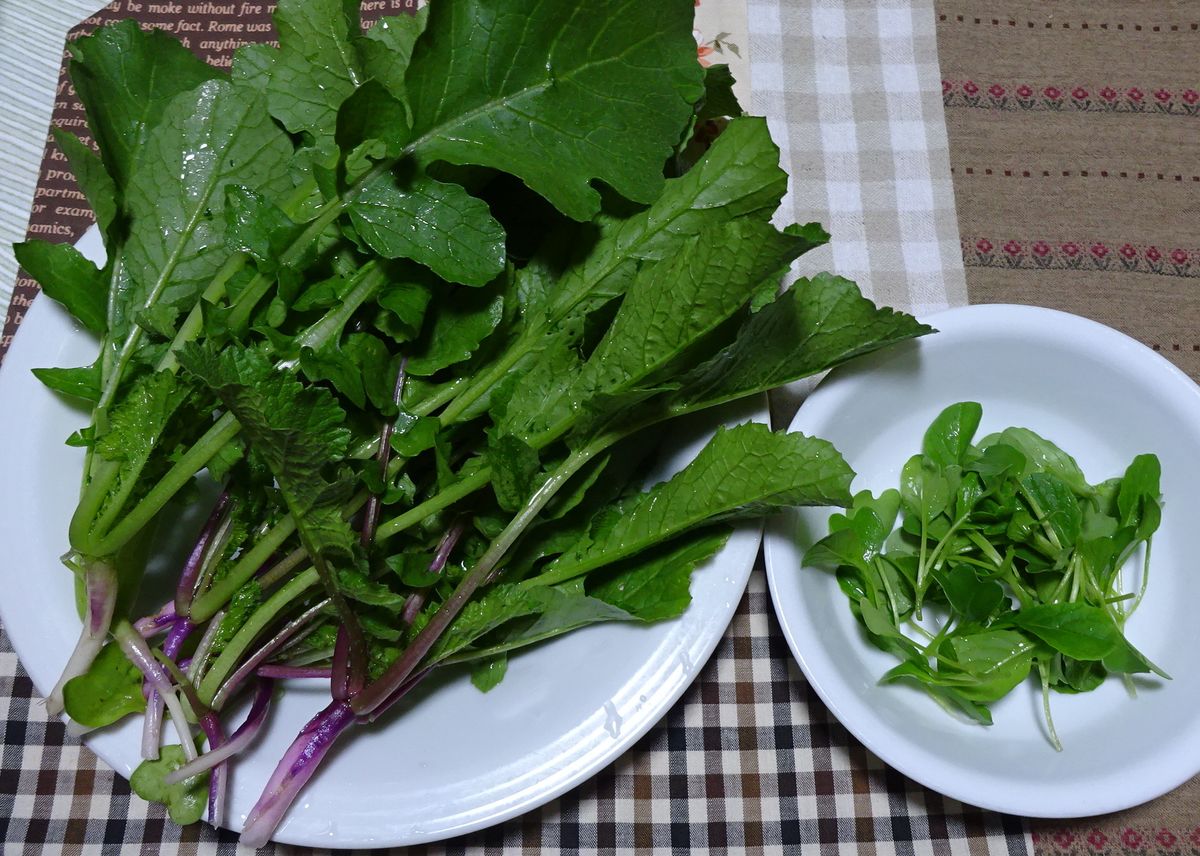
<point>419,301</point>
<point>1020,557</point>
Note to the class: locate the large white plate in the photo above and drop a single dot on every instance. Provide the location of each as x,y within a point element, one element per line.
<point>1104,398</point>
<point>457,761</point>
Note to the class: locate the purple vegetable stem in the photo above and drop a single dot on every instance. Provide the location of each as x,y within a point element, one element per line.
<point>294,770</point>
<point>100,581</point>
<point>339,674</point>
<point>271,670</point>
<point>401,691</point>
<point>154,624</point>
<point>210,724</point>
<point>416,600</point>
<point>191,568</point>
<point>249,666</point>
<point>246,732</point>
<point>371,514</point>
<point>152,729</point>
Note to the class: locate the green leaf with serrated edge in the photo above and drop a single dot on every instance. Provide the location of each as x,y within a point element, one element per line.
<point>655,585</point>
<point>359,587</point>
<point>315,69</point>
<point>483,614</point>
<point>487,674</point>
<point>331,364</point>
<point>125,77</point>
<point>109,690</point>
<point>719,99</point>
<point>456,324</point>
<point>213,137</point>
<point>408,215</point>
<point>91,176</point>
<point>385,49</point>
<point>739,176</point>
<point>186,800</point>
<point>811,327</point>
<point>256,225</point>
<point>674,303</point>
<point>359,368</point>
<point>574,86</point>
<point>742,471</point>
<point>948,438</point>
<point>82,382</point>
<point>535,400</point>
<point>69,278</point>
<point>137,422</point>
<point>296,430</point>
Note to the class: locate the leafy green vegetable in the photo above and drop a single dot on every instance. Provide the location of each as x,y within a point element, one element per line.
<point>125,78</point>
<point>747,470</point>
<point>657,586</point>
<point>185,801</point>
<point>422,300</point>
<point>108,691</point>
<point>572,69</point>
<point>69,278</point>
<point>1018,556</point>
<point>315,69</point>
<point>437,224</point>
<point>82,382</point>
<point>214,137</point>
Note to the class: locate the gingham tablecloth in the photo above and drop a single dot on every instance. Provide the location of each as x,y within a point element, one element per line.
<point>749,760</point>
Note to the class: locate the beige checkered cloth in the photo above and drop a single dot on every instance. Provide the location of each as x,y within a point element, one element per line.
<point>853,94</point>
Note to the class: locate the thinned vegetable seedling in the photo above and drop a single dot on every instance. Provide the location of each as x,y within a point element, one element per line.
<point>1019,555</point>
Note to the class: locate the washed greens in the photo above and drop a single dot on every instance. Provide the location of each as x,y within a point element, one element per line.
<point>1018,558</point>
<point>414,303</point>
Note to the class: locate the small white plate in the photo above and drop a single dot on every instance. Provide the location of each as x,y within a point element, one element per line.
<point>1103,398</point>
<point>456,761</point>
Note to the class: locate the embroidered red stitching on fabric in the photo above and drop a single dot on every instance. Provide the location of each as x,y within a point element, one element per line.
<point>1067,173</point>
<point>1106,99</point>
<point>1067,25</point>
<point>1041,254</point>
